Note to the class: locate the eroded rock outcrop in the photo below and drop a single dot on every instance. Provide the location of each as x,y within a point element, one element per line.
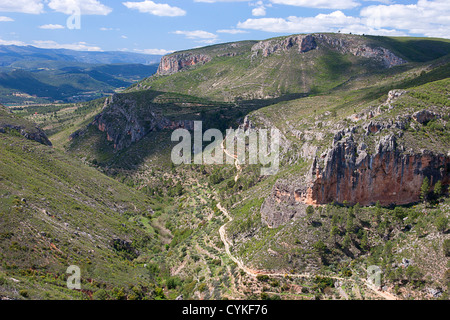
<point>177,62</point>
<point>390,176</point>
<point>365,164</point>
<point>125,121</point>
<point>302,43</point>
<point>355,47</point>
<point>27,129</point>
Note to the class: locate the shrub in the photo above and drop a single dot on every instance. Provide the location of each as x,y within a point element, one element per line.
<point>262,277</point>
<point>173,282</point>
<point>100,295</point>
<point>446,247</point>
<point>441,224</point>
<point>24,293</point>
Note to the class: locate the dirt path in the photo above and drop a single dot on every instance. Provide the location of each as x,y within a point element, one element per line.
<point>254,273</point>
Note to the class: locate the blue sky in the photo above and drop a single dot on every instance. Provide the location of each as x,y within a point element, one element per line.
<point>162,26</point>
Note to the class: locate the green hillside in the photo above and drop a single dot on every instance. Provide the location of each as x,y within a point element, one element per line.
<point>56,212</point>
<point>358,116</point>
<point>238,71</point>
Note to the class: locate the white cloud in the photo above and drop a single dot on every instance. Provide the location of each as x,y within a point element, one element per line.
<point>430,18</point>
<point>324,4</point>
<point>333,22</point>
<point>51,26</point>
<point>199,35</point>
<point>231,31</point>
<point>214,1</point>
<point>260,10</point>
<point>157,9</point>
<point>12,43</point>
<point>88,7</point>
<point>23,6</point>
<point>5,19</point>
<point>160,52</point>
<point>79,46</point>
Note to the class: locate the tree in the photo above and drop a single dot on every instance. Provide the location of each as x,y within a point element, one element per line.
<point>413,273</point>
<point>347,241</point>
<point>399,214</point>
<point>320,248</point>
<point>446,247</point>
<point>310,210</point>
<point>356,209</point>
<point>349,225</point>
<point>425,189</point>
<point>334,232</point>
<point>365,241</point>
<point>441,224</point>
<point>178,189</point>
<point>438,189</point>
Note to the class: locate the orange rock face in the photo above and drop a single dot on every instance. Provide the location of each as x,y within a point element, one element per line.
<point>174,63</point>
<point>388,177</point>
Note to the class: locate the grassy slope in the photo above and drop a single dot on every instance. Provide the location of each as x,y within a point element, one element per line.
<point>317,71</point>
<point>290,248</point>
<point>70,215</point>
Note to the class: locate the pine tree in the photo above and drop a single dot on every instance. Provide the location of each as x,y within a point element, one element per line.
<point>424,189</point>
<point>334,232</point>
<point>347,241</point>
<point>438,189</point>
<point>365,241</point>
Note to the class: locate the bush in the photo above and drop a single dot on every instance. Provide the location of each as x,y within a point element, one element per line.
<point>173,282</point>
<point>202,287</point>
<point>446,247</point>
<point>262,277</point>
<point>100,295</point>
<point>24,293</point>
<point>441,224</point>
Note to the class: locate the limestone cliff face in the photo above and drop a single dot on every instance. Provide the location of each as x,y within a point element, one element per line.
<point>177,62</point>
<point>125,122</point>
<point>359,49</point>
<point>364,164</point>
<point>302,43</point>
<point>350,174</point>
<point>388,176</point>
<point>28,130</point>
<point>35,134</point>
<point>305,43</point>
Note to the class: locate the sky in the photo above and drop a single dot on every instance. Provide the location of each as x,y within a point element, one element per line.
<point>164,26</point>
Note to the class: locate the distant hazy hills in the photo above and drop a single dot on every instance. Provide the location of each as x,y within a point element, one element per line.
<point>35,75</point>
<point>11,54</point>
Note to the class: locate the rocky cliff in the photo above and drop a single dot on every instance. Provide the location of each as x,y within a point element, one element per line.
<point>125,121</point>
<point>389,176</point>
<point>8,123</point>
<point>305,43</point>
<point>302,43</point>
<point>350,174</point>
<point>355,46</point>
<point>177,62</point>
<point>366,163</point>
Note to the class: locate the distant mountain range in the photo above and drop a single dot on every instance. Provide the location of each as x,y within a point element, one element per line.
<point>35,75</point>
<point>9,55</point>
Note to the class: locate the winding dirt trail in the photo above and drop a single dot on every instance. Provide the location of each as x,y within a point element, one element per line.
<point>254,273</point>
